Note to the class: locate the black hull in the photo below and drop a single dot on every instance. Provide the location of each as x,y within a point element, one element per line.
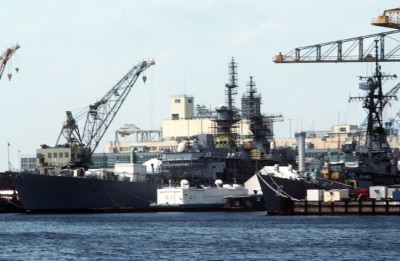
<point>57,194</point>
<point>277,190</point>
<point>6,182</point>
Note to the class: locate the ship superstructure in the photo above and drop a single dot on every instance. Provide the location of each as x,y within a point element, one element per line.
<point>228,115</point>
<point>216,144</point>
<point>368,158</point>
<point>261,125</point>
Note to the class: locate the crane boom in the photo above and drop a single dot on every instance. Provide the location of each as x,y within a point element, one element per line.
<point>356,49</point>
<point>5,57</point>
<point>98,118</point>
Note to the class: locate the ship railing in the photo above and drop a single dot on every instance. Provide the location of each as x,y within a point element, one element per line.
<point>333,184</point>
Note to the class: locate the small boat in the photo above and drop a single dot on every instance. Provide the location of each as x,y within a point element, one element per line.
<point>185,197</point>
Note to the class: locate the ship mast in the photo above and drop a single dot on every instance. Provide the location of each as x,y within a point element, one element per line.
<point>232,85</point>
<point>260,125</point>
<point>227,116</point>
<point>373,102</point>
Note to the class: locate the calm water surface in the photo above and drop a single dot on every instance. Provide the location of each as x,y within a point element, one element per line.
<point>198,236</point>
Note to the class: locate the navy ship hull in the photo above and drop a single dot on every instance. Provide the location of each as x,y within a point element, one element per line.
<point>278,191</point>
<point>58,194</point>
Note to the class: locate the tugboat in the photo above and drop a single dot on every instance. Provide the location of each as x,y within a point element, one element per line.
<point>366,160</point>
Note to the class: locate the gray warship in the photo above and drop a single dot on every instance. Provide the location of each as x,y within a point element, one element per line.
<point>365,160</point>
<point>72,186</point>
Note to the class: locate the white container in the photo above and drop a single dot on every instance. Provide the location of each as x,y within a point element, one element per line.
<point>315,195</point>
<point>130,171</point>
<point>378,192</point>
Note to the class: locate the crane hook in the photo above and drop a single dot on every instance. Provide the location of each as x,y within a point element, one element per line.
<point>9,76</point>
<point>144,78</point>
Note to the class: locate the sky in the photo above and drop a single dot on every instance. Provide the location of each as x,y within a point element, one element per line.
<point>73,52</point>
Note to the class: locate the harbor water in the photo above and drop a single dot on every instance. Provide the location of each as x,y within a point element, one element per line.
<point>198,236</point>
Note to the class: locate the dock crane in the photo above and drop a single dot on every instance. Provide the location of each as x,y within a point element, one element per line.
<point>98,118</point>
<point>5,57</point>
<point>356,49</point>
<point>352,49</point>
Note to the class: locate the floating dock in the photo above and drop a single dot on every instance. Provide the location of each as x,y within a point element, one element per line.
<point>370,207</point>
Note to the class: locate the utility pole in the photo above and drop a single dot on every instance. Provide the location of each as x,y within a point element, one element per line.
<point>19,158</point>
<point>8,156</point>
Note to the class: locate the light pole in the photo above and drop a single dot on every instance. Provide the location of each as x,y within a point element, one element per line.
<point>20,163</point>
<point>8,155</point>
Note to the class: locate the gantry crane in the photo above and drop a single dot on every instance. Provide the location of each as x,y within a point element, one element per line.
<point>356,49</point>
<point>98,118</point>
<point>139,134</point>
<point>352,49</point>
<point>5,57</point>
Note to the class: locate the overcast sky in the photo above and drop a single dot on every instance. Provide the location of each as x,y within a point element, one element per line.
<point>73,52</point>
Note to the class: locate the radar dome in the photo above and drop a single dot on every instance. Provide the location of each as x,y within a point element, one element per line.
<point>184,183</point>
<point>219,183</point>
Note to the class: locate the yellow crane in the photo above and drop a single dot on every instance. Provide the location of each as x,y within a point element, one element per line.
<point>390,18</point>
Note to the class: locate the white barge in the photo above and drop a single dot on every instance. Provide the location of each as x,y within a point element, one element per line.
<point>222,196</point>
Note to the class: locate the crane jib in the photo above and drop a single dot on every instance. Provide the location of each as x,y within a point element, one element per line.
<point>98,119</point>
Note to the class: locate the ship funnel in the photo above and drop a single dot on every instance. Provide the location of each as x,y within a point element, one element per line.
<point>301,137</point>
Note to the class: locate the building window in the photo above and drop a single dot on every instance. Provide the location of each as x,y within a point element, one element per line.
<point>66,155</point>
<point>189,100</point>
<point>343,129</point>
<point>55,155</point>
<point>60,154</point>
<point>49,155</point>
<point>177,100</point>
<point>175,116</point>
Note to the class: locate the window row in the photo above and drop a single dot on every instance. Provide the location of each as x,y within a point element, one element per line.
<point>57,155</point>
